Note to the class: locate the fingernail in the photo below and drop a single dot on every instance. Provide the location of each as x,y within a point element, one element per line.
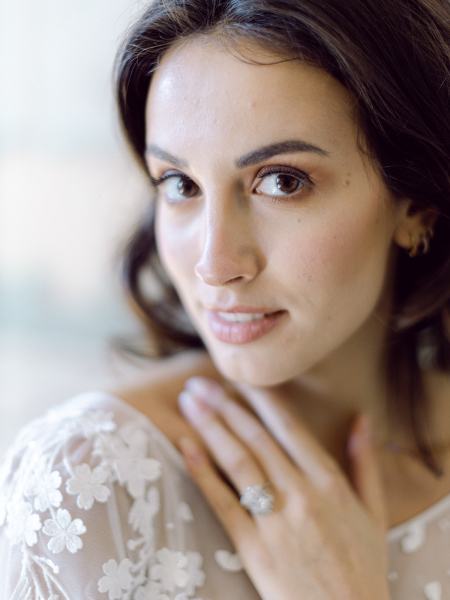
<point>205,389</point>
<point>192,405</point>
<point>200,385</point>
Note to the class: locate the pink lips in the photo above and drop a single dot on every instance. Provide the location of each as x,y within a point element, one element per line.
<point>244,309</point>
<point>241,333</point>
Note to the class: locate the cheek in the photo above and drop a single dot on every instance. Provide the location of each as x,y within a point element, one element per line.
<point>338,262</point>
<point>344,265</point>
<point>174,244</point>
<point>356,249</point>
<point>350,274</point>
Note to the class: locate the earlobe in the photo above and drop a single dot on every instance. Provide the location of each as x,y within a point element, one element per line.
<point>412,225</point>
<point>402,237</point>
<point>403,227</point>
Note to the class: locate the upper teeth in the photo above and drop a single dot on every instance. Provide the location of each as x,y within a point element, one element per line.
<point>241,316</point>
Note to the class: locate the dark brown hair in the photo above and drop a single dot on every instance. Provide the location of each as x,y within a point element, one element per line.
<point>393,57</point>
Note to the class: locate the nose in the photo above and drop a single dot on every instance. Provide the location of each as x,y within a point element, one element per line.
<point>229,253</point>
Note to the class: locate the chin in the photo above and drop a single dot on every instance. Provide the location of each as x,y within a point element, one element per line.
<point>234,365</point>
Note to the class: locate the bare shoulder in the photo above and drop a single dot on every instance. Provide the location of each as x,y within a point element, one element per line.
<point>165,377</point>
<point>155,392</point>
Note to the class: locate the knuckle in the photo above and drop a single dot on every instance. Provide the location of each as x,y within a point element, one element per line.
<point>257,437</point>
<point>238,463</point>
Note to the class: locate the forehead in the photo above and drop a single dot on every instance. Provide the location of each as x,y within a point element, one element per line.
<point>202,91</point>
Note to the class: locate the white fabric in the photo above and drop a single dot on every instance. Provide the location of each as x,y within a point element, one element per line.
<point>96,503</point>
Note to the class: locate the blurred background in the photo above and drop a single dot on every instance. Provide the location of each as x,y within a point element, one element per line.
<point>70,195</point>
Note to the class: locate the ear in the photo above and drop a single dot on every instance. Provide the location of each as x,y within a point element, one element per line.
<point>411,221</point>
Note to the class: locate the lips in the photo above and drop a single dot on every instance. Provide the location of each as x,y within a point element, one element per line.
<point>254,312</point>
<point>243,332</point>
<point>245,309</point>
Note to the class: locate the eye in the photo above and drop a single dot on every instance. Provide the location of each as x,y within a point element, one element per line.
<point>175,184</point>
<point>275,179</point>
<point>286,180</point>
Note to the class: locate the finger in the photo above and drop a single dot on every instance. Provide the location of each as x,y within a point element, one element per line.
<point>228,452</point>
<point>290,431</point>
<point>235,519</point>
<point>275,462</point>
<point>365,470</point>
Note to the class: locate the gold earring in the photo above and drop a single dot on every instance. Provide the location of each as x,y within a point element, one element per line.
<point>423,239</point>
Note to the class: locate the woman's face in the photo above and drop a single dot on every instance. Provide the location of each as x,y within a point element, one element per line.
<point>314,241</point>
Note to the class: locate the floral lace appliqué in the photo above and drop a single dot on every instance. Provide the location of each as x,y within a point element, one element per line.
<point>44,488</point>
<point>88,485</point>
<point>22,523</point>
<point>64,532</point>
<point>414,538</point>
<point>32,508</point>
<point>117,578</point>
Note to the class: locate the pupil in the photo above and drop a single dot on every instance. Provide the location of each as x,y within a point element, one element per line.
<point>282,178</point>
<point>183,186</point>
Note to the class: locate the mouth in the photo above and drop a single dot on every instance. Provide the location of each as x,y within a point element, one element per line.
<point>243,327</point>
<point>258,310</point>
<point>247,315</point>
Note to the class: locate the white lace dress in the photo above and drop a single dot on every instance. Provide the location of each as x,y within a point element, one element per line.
<point>96,503</point>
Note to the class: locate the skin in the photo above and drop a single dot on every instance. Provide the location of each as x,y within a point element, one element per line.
<point>321,540</point>
<point>324,253</point>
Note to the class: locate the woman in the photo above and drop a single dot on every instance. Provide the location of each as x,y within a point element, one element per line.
<point>298,153</point>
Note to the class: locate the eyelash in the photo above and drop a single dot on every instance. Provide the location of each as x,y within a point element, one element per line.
<point>302,176</point>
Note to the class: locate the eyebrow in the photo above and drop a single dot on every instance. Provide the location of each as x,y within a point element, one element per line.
<point>251,158</point>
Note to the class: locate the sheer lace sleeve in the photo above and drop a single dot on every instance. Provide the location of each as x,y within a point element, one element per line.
<point>80,514</point>
<point>96,504</point>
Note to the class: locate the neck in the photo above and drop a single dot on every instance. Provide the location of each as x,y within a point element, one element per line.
<point>349,381</point>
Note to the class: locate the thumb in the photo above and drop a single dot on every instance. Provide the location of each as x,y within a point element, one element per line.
<point>365,469</point>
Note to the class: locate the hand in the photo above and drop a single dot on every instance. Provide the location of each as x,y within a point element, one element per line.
<point>322,541</point>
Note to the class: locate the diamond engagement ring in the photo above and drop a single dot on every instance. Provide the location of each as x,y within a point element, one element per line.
<point>257,499</point>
